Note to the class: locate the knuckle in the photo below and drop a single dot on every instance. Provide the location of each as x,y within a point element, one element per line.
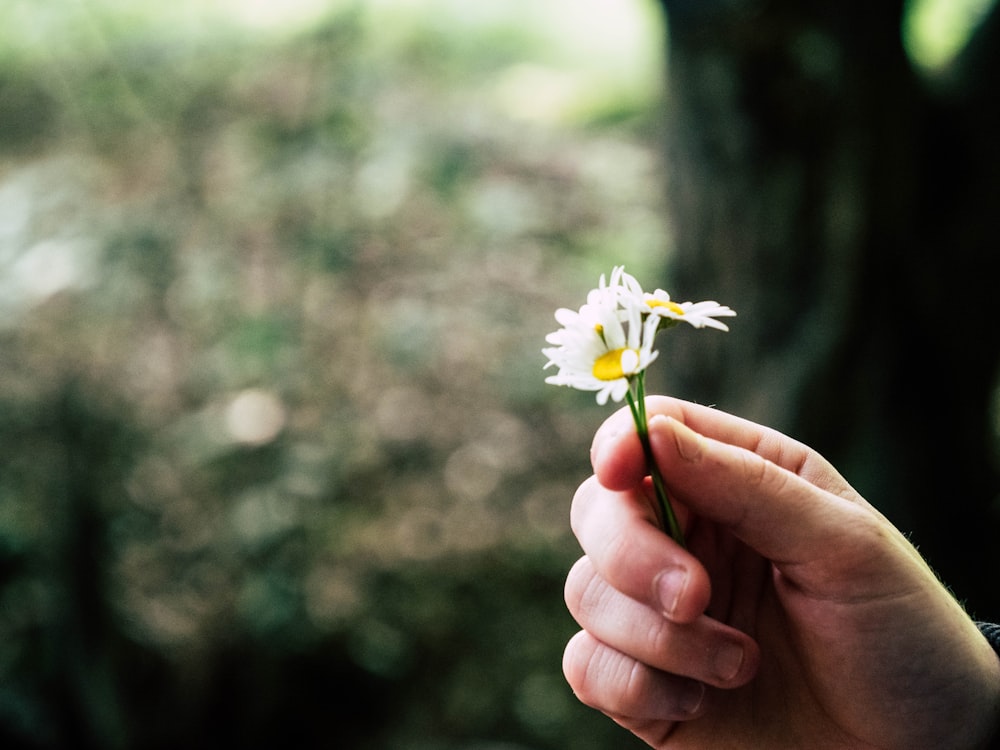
<point>590,599</point>
<point>635,683</point>
<point>580,508</point>
<point>756,469</point>
<point>762,476</point>
<point>615,548</point>
<point>660,637</point>
<point>581,668</point>
<point>578,582</point>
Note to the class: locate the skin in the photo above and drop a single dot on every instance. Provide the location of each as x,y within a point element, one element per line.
<point>798,617</point>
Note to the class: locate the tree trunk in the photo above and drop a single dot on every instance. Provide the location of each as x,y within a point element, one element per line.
<point>842,205</point>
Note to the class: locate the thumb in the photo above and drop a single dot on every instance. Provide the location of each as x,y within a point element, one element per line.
<point>774,510</point>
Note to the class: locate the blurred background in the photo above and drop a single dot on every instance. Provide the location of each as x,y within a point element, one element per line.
<point>277,463</point>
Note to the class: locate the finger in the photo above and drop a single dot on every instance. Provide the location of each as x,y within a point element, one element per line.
<point>612,682</point>
<point>619,533</point>
<point>704,650</point>
<point>780,514</point>
<point>619,462</point>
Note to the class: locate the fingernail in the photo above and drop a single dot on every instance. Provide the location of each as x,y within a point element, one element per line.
<point>689,701</point>
<point>670,585</point>
<point>728,660</point>
<point>688,441</point>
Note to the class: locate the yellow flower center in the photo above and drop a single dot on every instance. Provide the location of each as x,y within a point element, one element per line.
<point>672,306</point>
<point>616,364</point>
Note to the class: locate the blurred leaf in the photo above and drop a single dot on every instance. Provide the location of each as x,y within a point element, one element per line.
<point>278,464</point>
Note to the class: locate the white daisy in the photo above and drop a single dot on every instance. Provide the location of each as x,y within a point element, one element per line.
<point>603,346</point>
<point>607,345</point>
<point>698,314</point>
<point>610,291</point>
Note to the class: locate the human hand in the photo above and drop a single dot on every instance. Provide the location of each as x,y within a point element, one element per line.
<point>798,617</point>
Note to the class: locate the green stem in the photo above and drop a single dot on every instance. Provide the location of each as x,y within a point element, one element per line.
<point>637,403</point>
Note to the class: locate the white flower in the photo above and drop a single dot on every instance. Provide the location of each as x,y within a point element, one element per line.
<point>607,345</point>
<point>610,292</point>
<point>698,314</point>
<point>601,347</point>
<point>608,342</point>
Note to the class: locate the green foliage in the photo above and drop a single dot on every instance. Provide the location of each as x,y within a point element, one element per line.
<point>278,466</point>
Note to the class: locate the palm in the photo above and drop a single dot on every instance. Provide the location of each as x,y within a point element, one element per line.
<point>819,650</point>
